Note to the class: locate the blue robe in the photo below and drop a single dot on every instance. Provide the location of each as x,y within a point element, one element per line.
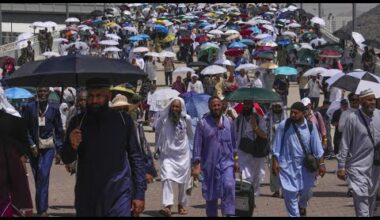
<point>111,167</point>
<point>215,148</point>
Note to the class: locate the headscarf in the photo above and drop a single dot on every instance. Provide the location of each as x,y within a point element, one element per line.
<point>6,106</point>
<point>166,111</point>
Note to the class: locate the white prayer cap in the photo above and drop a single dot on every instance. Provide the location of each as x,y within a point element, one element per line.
<point>366,93</point>
<point>194,75</point>
<point>306,101</point>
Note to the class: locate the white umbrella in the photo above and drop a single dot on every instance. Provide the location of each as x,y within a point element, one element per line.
<point>233,36</point>
<point>72,19</point>
<point>213,70</point>
<point>318,20</point>
<point>84,27</point>
<point>59,40</point>
<point>294,25</point>
<point>210,26</point>
<point>247,67</point>
<point>268,27</point>
<point>128,13</point>
<point>262,36</point>
<point>216,32</point>
<point>22,44</point>
<point>37,24</point>
<point>289,33</point>
<point>267,43</point>
<point>330,72</point>
<point>152,54</point>
<point>314,71</point>
<point>363,85</point>
<point>306,46</point>
<point>208,45</point>
<point>111,49</point>
<point>51,54</point>
<point>231,32</point>
<point>24,36</point>
<point>161,97</point>
<point>358,38</point>
<point>50,24</point>
<point>183,70</point>
<point>140,50</point>
<point>109,42</point>
<point>113,36</point>
<point>78,45</point>
<point>131,29</point>
<point>225,62</point>
<point>292,8</point>
<point>316,41</point>
<point>166,53</point>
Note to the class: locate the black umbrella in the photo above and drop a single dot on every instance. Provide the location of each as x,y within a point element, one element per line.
<point>198,64</point>
<point>74,71</point>
<point>372,43</point>
<point>96,13</point>
<point>342,34</point>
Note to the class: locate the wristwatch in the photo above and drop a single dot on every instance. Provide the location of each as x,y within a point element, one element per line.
<point>33,146</point>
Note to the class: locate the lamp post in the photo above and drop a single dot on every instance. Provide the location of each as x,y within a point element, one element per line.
<point>353,15</point>
<point>67,10</point>
<point>1,27</point>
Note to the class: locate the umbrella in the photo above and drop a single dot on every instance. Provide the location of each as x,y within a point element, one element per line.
<point>166,53</point>
<point>225,62</point>
<point>109,42</point>
<point>198,64</point>
<point>122,89</point>
<point>49,24</point>
<point>306,46</point>
<point>140,50</point>
<point>350,81</point>
<point>358,38</point>
<point>237,45</point>
<point>318,20</point>
<point>213,70</point>
<point>160,28</point>
<point>285,70</point>
<point>314,71</point>
<point>111,49</point>
<point>136,38</point>
<point>216,32</point>
<point>37,24</point>
<point>248,42</point>
<point>234,52</point>
<point>131,29</point>
<point>186,40</point>
<point>183,70</point>
<point>330,72</point>
<point>230,32</point>
<point>202,39</point>
<point>72,19</point>
<point>51,54</point>
<point>264,55</point>
<point>263,43</point>
<point>254,94</point>
<point>79,45</point>
<point>293,25</point>
<point>330,53</point>
<point>96,13</point>
<point>308,36</point>
<point>113,36</point>
<point>168,38</point>
<point>289,33</point>
<point>233,37</point>
<point>247,66</point>
<point>74,71</point>
<point>208,45</point>
<point>262,36</point>
<point>161,97</point>
<point>363,85</point>
<point>24,36</point>
<point>196,104</point>
<point>152,54</point>
<point>318,41</point>
<point>342,34</point>
<point>17,93</point>
<point>246,32</point>
<point>268,27</point>
<point>268,66</point>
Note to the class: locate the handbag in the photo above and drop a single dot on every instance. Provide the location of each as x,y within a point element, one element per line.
<point>376,152</point>
<point>310,162</point>
<point>46,143</point>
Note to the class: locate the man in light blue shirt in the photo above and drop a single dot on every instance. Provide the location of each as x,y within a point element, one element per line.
<point>288,159</point>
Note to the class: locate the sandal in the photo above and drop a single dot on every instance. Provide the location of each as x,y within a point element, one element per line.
<point>166,212</point>
<point>182,210</point>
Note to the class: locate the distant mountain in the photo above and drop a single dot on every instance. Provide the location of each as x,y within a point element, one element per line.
<point>367,24</point>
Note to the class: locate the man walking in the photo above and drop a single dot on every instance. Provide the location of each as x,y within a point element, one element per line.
<point>292,136</point>
<point>173,133</point>
<point>359,156</point>
<point>45,132</point>
<point>215,153</point>
<point>314,91</point>
<point>168,69</point>
<point>111,168</point>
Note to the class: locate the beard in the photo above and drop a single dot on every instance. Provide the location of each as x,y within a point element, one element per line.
<point>96,109</point>
<point>216,114</point>
<point>247,112</point>
<point>175,116</point>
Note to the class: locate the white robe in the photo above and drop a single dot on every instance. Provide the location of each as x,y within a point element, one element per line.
<point>173,144</point>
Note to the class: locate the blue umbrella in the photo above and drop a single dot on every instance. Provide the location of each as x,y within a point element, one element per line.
<point>196,104</point>
<point>283,42</point>
<point>136,38</point>
<point>160,28</point>
<point>204,24</point>
<point>17,93</point>
<point>144,36</point>
<point>255,29</point>
<point>237,45</point>
<point>248,42</point>
<point>285,70</point>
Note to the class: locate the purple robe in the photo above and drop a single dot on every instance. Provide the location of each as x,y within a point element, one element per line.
<point>214,147</point>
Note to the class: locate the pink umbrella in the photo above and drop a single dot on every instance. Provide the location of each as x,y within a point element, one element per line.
<point>330,54</point>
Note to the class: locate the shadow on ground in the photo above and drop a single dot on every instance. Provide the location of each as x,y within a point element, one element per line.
<point>329,194</point>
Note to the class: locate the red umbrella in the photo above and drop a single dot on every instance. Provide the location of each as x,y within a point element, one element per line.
<point>186,40</point>
<point>202,39</point>
<point>245,26</point>
<point>234,52</point>
<point>87,22</point>
<point>245,32</point>
<point>239,108</point>
<point>264,48</point>
<point>330,53</point>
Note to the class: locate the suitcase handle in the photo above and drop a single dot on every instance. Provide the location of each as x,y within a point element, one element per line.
<point>241,180</point>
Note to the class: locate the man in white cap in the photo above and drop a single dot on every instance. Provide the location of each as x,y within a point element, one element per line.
<point>317,120</point>
<point>361,140</point>
<point>195,85</point>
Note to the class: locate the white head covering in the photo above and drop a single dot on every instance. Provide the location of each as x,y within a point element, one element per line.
<point>366,93</point>
<point>5,105</point>
<point>165,112</point>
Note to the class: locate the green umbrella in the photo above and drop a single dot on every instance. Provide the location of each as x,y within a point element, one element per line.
<point>290,47</point>
<point>308,36</point>
<point>283,37</point>
<point>255,94</point>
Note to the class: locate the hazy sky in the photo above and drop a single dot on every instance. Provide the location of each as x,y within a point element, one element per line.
<point>338,8</point>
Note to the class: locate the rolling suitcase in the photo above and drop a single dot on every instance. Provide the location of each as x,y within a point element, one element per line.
<point>244,198</point>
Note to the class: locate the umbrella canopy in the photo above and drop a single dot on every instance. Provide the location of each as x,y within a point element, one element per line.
<point>152,54</point>
<point>122,89</point>
<point>225,62</point>
<point>330,53</point>
<point>186,40</point>
<point>248,42</point>
<point>109,42</point>
<point>247,66</point>
<point>166,53</point>
<point>24,36</point>
<point>168,38</point>
<point>79,45</point>
<point>268,66</point>
<point>51,54</point>
<point>208,45</point>
<point>253,94</point>
<point>136,38</point>
<point>202,39</point>
<point>285,70</point>
<point>264,55</point>
<point>112,49</point>
<point>238,45</point>
<point>183,70</point>
<point>342,34</point>
<point>358,38</point>
<point>140,50</point>
<point>234,52</point>
<point>330,72</point>
<point>213,70</point>
<point>198,64</point>
<point>161,97</point>
<point>314,71</point>
<point>160,28</point>
<point>59,40</point>
<point>131,29</point>
<point>17,93</point>
<point>113,36</point>
<point>72,20</point>
<point>350,81</point>
<point>74,71</point>
<point>196,104</point>
<point>293,25</point>
<point>289,33</point>
<point>318,20</point>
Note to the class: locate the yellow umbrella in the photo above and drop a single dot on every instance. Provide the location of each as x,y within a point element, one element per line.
<point>160,22</point>
<point>269,66</point>
<point>168,38</point>
<point>233,36</point>
<point>122,89</point>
